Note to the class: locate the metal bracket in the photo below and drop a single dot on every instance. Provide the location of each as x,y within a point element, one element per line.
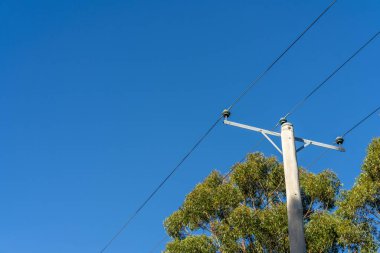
<point>320,144</point>
<point>267,132</point>
<point>272,142</point>
<point>256,129</point>
<point>303,146</point>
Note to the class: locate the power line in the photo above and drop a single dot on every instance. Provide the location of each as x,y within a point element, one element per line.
<point>361,122</point>
<point>167,237</point>
<point>259,77</point>
<point>160,185</point>
<point>323,154</point>
<point>308,166</point>
<point>299,104</point>
<point>212,127</point>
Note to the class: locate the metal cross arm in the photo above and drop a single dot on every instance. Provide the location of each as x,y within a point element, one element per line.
<point>315,143</point>
<point>264,132</point>
<point>256,129</point>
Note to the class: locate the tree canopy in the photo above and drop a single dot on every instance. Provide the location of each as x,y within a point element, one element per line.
<point>246,212</point>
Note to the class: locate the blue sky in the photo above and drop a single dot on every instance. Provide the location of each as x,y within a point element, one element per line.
<point>100,99</point>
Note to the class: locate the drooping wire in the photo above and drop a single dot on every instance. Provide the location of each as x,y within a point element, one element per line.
<point>260,76</point>
<point>161,184</point>
<point>360,122</point>
<point>300,103</point>
<point>213,126</point>
<point>224,178</point>
<point>323,154</point>
<point>308,166</point>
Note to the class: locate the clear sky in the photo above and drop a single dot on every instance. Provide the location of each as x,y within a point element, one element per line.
<point>100,99</point>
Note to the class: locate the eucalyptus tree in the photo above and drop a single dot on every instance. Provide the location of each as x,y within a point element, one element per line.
<point>246,212</point>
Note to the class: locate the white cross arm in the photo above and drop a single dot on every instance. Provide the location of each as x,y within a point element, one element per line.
<point>267,132</point>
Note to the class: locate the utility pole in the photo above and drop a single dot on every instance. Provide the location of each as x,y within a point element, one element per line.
<point>293,192</point>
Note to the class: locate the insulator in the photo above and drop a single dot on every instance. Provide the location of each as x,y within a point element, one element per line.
<point>283,120</point>
<point>339,140</point>
<point>226,113</point>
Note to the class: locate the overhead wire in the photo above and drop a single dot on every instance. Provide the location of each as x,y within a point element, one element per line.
<point>201,139</point>
<point>361,122</point>
<point>260,76</point>
<point>323,154</point>
<point>310,94</point>
<point>160,185</point>
<point>300,103</point>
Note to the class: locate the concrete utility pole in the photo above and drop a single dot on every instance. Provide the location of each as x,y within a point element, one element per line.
<point>293,192</point>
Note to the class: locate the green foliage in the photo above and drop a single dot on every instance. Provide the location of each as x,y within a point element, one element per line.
<point>192,244</point>
<point>371,164</point>
<point>175,225</point>
<point>272,232</point>
<point>320,188</point>
<point>247,212</point>
<point>320,232</point>
<point>259,179</point>
<point>363,199</point>
<point>210,200</point>
<point>328,232</point>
